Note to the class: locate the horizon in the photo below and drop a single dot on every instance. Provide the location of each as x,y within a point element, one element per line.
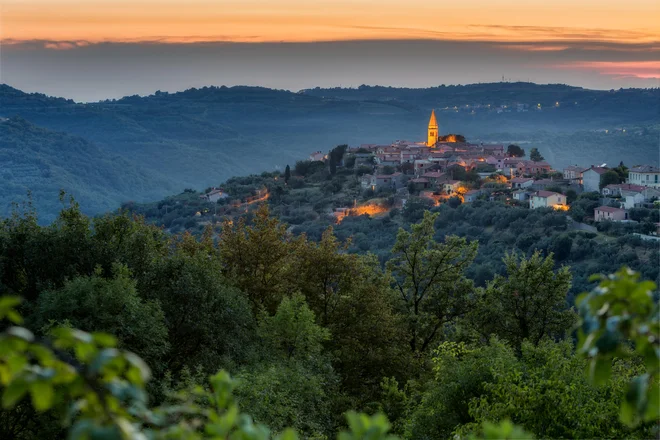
<point>219,86</point>
<point>102,49</point>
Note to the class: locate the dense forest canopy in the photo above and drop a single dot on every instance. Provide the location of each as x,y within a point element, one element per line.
<point>309,331</point>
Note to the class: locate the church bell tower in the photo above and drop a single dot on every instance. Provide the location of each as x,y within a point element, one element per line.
<point>432,131</point>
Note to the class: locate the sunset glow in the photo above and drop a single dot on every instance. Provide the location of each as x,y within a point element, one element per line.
<point>79,22</point>
<point>636,69</point>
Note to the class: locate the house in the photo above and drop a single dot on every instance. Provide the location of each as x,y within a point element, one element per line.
<point>451,186</point>
<point>547,199</point>
<point>494,150</point>
<point>521,182</point>
<point>645,175</point>
<point>387,149</point>
<point>214,195</point>
<point>529,167</point>
<point>632,195</point>
<point>610,213</point>
<point>421,166</point>
<point>573,174</point>
<point>633,199</point>
<point>471,196</point>
<point>435,177</point>
<point>388,159</point>
<point>406,156</point>
<point>317,156</point>
<point>520,195</point>
<point>420,183</point>
<point>379,181</point>
<point>591,178</point>
<point>619,189</point>
<point>543,184</point>
<point>495,161</point>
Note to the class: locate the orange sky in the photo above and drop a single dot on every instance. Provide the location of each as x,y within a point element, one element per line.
<point>634,21</point>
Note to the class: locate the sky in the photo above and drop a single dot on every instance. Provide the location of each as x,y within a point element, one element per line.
<point>97,49</point>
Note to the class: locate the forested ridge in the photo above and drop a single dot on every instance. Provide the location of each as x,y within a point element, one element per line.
<point>309,332</point>
<point>201,136</point>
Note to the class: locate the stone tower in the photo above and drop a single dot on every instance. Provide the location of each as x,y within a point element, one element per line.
<point>432,131</point>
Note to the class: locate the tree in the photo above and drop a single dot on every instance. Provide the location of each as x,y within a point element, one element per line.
<point>287,174</point>
<point>515,151</point>
<point>621,310</point>
<point>622,171</point>
<point>210,322</point>
<point>103,390</point>
<point>292,384</point>
<point>561,247</point>
<point>257,258</point>
<point>112,306</point>
<point>608,178</point>
<point>535,155</point>
<point>332,165</point>
<point>454,202</point>
<point>292,332</point>
<point>352,297</point>
<point>388,169</point>
<point>571,195</point>
<point>545,391</point>
<point>530,302</point>
<point>429,277</point>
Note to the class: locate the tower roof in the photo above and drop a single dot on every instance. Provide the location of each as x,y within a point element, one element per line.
<point>433,122</point>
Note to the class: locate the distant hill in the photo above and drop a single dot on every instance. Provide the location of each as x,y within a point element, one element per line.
<point>203,136</point>
<point>43,162</point>
<point>632,105</point>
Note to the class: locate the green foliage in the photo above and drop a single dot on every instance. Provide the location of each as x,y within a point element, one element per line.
<point>504,430</point>
<point>619,311</point>
<point>515,151</point>
<point>530,303</point>
<point>104,388</point>
<point>292,331</point>
<point>256,258</point>
<point>364,427</point>
<point>543,391</point>
<point>311,328</point>
<point>209,322</point>
<point>429,278</point>
<point>289,394</point>
<point>287,174</point>
<point>622,171</point>
<point>535,155</point>
<point>608,178</point>
<point>110,305</point>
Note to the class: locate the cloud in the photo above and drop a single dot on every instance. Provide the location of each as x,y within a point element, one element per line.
<point>89,71</point>
<point>618,69</point>
<point>65,45</point>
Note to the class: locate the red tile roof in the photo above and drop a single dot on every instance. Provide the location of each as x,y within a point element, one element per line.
<point>546,194</point>
<point>609,209</point>
<point>598,170</point>
<point>433,174</point>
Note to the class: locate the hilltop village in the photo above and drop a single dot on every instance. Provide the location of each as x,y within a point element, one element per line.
<point>447,166</point>
<point>445,169</point>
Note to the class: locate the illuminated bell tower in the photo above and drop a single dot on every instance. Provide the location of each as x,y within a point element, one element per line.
<point>432,131</point>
